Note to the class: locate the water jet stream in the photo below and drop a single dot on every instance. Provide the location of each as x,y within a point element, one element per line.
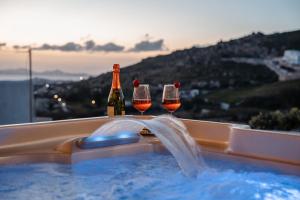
<point>170,131</point>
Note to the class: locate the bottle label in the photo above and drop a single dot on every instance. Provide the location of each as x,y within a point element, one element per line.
<point>123,112</point>
<point>110,111</point>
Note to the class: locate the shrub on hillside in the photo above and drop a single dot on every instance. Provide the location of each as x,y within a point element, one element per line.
<point>277,120</point>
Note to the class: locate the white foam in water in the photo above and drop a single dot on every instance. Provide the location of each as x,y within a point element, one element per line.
<point>170,131</point>
<point>145,176</point>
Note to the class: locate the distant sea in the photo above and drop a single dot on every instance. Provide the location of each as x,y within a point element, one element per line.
<point>17,77</point>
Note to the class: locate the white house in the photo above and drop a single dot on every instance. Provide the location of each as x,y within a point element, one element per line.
<point>292,57</point>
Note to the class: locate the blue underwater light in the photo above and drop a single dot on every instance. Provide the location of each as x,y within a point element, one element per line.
<point>98,141</point>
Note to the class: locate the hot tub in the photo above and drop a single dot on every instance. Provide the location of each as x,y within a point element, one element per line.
<point>42,161</point>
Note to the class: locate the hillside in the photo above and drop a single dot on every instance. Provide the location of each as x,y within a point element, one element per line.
<point>196,64</point>
<point>203,70</point>
<point>247,102</point>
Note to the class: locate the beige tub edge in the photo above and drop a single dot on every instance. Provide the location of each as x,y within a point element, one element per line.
<point>48,142</point>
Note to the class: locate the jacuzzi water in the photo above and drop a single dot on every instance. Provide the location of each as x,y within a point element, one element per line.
<point>145,176</point>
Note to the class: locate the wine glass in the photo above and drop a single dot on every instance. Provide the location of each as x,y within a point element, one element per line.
<point>141,98</point>
<point>170,98</point>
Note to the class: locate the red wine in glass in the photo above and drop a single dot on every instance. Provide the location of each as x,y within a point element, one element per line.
<point>171,105</point>
<point>141,99</point>
<point>141,104</point>
<point>171,99</point>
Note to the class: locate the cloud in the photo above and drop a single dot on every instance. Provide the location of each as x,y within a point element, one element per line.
<point>70,46</point>
<point>89,45</point>
<point>47,47</point>
<point>21,47</point>
<point>147,45</point>
<point>108,47</point>
<point>92,46</point>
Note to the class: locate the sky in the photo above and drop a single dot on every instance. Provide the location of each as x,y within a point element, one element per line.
<point>91,35</point>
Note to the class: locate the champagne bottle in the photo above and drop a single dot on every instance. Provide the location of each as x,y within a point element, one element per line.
<point>116,101</point>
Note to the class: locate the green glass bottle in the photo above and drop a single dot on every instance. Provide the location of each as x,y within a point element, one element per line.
<point>116,101</point>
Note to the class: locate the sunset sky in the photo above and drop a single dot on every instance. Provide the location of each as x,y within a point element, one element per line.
<point>126,31</point>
